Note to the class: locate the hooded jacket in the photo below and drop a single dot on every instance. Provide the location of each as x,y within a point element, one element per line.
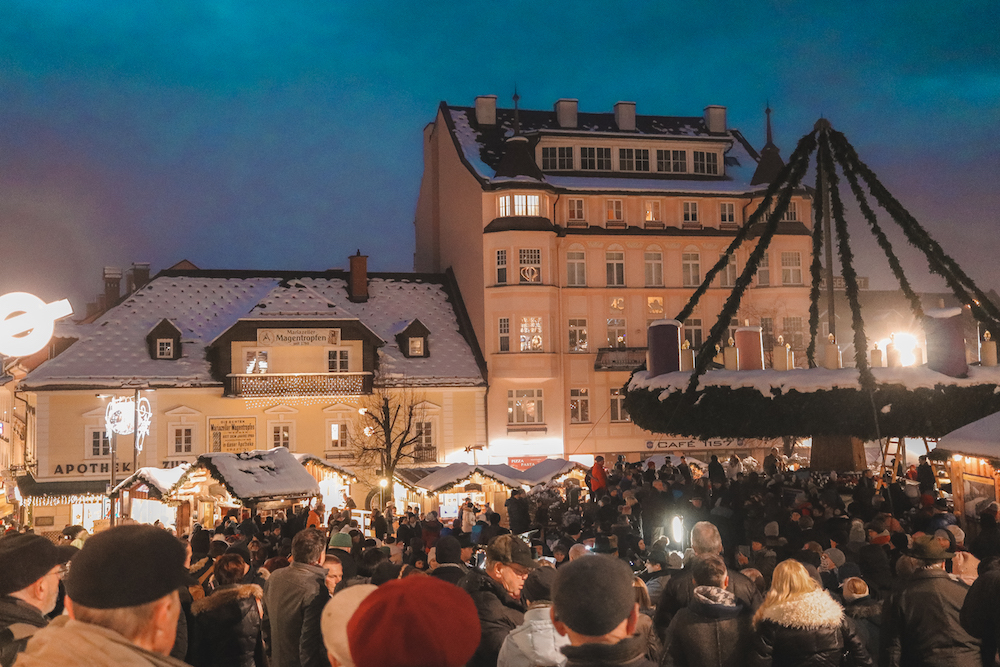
<point>499,615</point>
<point>712,631</point>
<point>18,622</point>
<point>866,614</point>
<point>629,652</point>
<point>808,631</point>
<point>533,643</point>
<point>227,628</point>
<point>68,643</point>
<point>679,591</point>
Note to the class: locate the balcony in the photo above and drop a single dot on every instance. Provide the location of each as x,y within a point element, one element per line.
<point>296,385</point>
<point>620,358</point>
<point>425,454</point>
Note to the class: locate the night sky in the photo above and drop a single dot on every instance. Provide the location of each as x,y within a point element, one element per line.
<point>256,135</point>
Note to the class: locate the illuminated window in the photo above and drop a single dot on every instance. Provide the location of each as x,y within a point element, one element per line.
<point>576,268</point>
<point>654,307</point>
<point>615,212</point>
<point>654,269</point>
<point>183,437</point>
<point>693,332</point>
<point>256,361</point>
<point>416,345</point>
<point>337,361</point>
<point>501,267</point>
<point>727,277</point>
<point>164,348</point>
<point>281,435</point>
<point>504,332</point>
<point>791,268</point>
<point>614,261</point>
<point>338,435</point>
<point>691,269</point>
<point>530,260</point>
<point>525,205</point>
<point>653,211</point>
<point>578,335</point>
<point>727,214</point>
<point>504,206</point>
<point>616,332</point>
<point>618,411</point>
<point>579,406</point>
<point>524,406</point>
<point>531,334</point>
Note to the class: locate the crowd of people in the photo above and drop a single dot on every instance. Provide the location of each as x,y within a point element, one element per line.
<point>644,565</point>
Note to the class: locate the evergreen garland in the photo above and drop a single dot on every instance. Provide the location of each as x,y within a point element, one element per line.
<point>815,268</point>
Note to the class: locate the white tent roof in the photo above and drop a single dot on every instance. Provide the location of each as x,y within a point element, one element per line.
<point>456,472</point>
<point>980,438</point>
<point>549,469</point>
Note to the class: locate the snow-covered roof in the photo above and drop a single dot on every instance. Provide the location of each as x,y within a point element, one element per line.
<point>483,147</point>
<point>113,352</point>
<point>257,475</point>
<point>767,382</point>
<point>549,469</point>
<point>980,438</point>
<point>456,472</point>
<point>160,479</point>
<point>323,463</point>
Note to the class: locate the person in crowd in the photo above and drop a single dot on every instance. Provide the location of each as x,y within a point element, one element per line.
<point>414,621</point>
<point>293,604</point>
<point>598,478</point>
<point>921,620</point>
<point>227,624</point>
<point>798,623</point>
<point>593,604</point>
<point>334,572</point>
<point>122,604</point>
<point>449,558</point>
<point>679,591</point>
<point>712,629</point>
<point>496,592</point>
<point>656,575</point>
<point>518,512</point>
<point>644,623</point>
<point>535,641</point>
<point>865,612</point>
<point>336,614</point>
<point>430,530</point>
<point>31,568</point>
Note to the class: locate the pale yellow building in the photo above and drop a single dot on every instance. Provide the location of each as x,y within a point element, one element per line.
<point>569,232</point>
<point>237,361</point>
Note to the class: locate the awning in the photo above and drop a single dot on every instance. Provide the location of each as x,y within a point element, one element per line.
<point>980,438</point>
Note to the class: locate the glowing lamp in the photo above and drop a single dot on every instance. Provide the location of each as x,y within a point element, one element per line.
<point>27,322</point>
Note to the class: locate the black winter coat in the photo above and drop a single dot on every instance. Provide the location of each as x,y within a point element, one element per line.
<point>808,631</point>
<point>704,634</point>
<point>921,624</point>
<point>679,592</point>
<point>629,652</point>
<point>498,615</point>
<point>980,615</point>
<point>866,614</point>
<point>227,628</point>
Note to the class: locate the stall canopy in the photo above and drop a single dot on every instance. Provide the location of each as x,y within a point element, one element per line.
<point>158,480</point>
<point>980,438</point>
<point>323,464</point>
<point>550,469</point>
<point>444,478</point>
<point>67,492</point>
<point>251,477</point>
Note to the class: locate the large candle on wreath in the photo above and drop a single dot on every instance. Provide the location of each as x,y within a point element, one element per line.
<point>831,358</point>
<point>946,342</point>
<point>988,353</point>
<point>731,357</point>
<point>664,351</point>
<point>750,347</point>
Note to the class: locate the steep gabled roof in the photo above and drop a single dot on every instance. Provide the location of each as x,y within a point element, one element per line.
<point>256,476</point>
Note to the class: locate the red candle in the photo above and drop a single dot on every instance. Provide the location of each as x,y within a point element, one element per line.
<point>751,350</point>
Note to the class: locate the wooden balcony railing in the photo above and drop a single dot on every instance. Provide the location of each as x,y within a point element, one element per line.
<point>291,385</point>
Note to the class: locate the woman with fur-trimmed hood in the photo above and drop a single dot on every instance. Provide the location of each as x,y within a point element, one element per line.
<point>227,623</point>
<point>800,624</point>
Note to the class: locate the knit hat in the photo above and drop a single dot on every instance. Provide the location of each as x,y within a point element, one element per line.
<point>24,559</point>
<point>412,622</point>
<point>341,540</point>
<point>538,585</point>
<point>508,549</point>
<point>126,566</point>
<point>957,532</point>
<point>448,550</point>
<point>771,529</point>
<point>336,614</point>
<point>657,556</point>
<point>593,595</point>
<point>837,556</point>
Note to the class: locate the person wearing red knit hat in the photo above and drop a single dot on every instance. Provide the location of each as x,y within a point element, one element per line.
<point>414,622</point>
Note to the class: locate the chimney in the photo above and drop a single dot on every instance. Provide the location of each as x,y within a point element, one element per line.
<point>566,113</point>
<point>112,286</point>
<point>715,119</point>
<point>486,109</point>
<point>358,285</point>
<point>625,116</point>
<point>138,276</point>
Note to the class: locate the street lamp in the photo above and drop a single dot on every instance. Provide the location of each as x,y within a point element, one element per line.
<point>383,483</point>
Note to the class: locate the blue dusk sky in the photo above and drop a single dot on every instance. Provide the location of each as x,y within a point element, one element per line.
<point>256,135</point>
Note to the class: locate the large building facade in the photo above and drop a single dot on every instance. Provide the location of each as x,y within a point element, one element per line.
<point>569,232</point>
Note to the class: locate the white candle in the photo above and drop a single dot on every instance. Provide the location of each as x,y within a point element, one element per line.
<point>989,353</point>
<point>892,356</point>
<point>876,361</point>
<point>779,358</point>
<point>687,360</point>
<point>731,358</point>
<point>831,358</point>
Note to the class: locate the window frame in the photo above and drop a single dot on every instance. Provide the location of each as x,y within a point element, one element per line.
<point>727,277</point>
<point>614,267</point>
<point>503,334</point>
<point>578,344</point>
<point>528,259</point>
<point>653,211</point>
<point>501,272</point>
<point>617,208</point>
<point>617,412</point>
<point>531,335</point>
<point>764,270</point>
<point>689,215</point>
<point>579,405</point>
<point>653,268</point>
<point>576,211</point>
<point>257,352</point>
<point>691,268</point>
<point>792,270</point>
<point>343,358</point>
<point>164,348</point>
<point>515,396</point>
<point>272,425</point>
<point>343,431</point>
<point>604,159</point>
<point>618,325</point>
<point>549,159</point>
<point>415,346</point>
<point>576,267</point>
<point>693,332</point>
<point>105,440</point>
<point>723,222</point>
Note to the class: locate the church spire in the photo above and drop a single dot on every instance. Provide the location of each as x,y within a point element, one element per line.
<point>767,111</point>
<point>517,120</point>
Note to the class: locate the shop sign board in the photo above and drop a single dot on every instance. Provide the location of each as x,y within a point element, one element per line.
<point>232,434</point>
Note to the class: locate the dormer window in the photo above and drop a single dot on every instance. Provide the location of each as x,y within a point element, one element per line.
<point>416,345</point>
<point>164,348</point>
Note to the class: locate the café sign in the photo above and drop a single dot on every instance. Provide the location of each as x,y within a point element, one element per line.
<point>696,444</point>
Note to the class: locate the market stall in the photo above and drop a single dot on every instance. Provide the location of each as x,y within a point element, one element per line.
<point>559,471</point>
<point>145,494</point>
<point>971,455</point>
<point>447,487</point>
<point>258,481</point>
<point>50,506</point>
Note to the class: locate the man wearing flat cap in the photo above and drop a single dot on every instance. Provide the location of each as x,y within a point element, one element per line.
<point>30,570</point>
<point>496,592</point>
<point>593,603</point>
<point>921,620</point>
<point>121,604</point>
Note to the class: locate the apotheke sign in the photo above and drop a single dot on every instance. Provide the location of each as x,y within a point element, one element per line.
<point>290,337</point>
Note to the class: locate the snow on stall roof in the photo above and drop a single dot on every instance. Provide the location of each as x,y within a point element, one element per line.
<point>162,479</point>
<point>456,472</point>
<point>260,474</point>
<point>980,438</point>
<point>312,458</point>
<point>549,469</point>
<point>812,379</point>
<point>114,353</point>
